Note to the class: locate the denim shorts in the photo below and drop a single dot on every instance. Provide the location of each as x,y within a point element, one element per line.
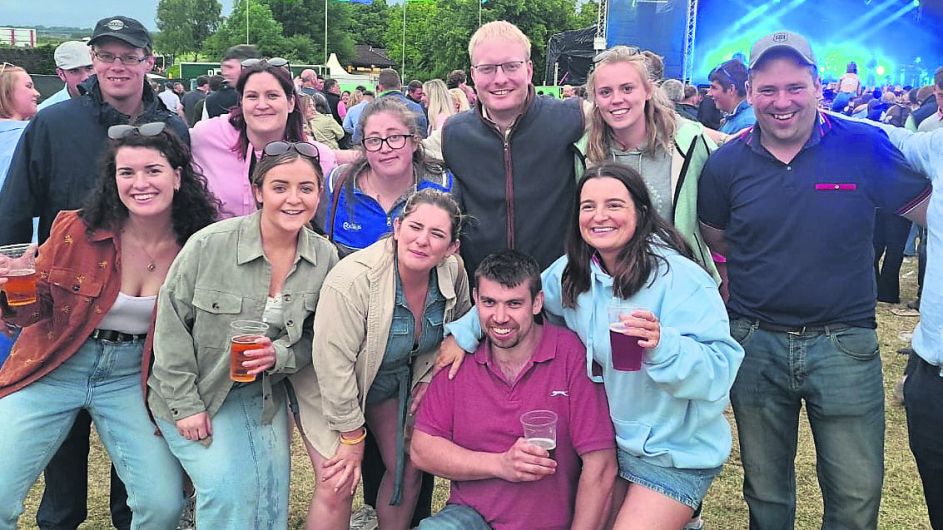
<point>687,486</point>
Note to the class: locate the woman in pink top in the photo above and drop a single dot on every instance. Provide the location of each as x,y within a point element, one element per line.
<point>227,147</point>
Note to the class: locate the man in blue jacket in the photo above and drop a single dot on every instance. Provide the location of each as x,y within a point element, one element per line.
<point>54,168</point>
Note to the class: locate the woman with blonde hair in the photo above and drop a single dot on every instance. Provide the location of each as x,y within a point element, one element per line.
<point>459,100</point>
<point>18,98</point>
<point>633,122</point>
<point>439,103</point>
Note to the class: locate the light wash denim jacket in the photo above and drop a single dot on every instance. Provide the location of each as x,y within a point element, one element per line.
<point>222,275</point>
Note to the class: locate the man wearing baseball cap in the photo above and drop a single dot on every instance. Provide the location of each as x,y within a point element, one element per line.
<point>791,204</point>
<point>54,168</point>
<point>73,66</point>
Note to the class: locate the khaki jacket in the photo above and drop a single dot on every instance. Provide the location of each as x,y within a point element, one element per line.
<point>220,276</point>
<point>351,328</point>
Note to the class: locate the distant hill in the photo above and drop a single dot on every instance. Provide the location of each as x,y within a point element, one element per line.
<point>62,32</point>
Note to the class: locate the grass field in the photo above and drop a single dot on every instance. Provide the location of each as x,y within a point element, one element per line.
<point>902,507</point>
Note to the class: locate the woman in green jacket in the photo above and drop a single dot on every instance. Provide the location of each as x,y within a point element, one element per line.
<point>379,323</point>
<point>633,122</point>
<point>232,438</point>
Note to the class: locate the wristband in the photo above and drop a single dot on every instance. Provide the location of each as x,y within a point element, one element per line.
<point>354,441</point>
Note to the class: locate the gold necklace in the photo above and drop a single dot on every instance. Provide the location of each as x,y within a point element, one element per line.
<point>152,263</point>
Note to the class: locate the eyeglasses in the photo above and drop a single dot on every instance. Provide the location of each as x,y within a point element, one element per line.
<point>274,61</point>
<point>117,132</point>
<point>302,148</point>
<point>509,68</point>
<point>127,60</point>
<point>4,66</point>
<point>603,55</point>
<point>395,141</point>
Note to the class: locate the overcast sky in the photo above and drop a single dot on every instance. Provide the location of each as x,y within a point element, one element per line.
<point>79,13</point>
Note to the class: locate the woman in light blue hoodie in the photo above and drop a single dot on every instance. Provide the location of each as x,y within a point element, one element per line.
<point>671,433</point>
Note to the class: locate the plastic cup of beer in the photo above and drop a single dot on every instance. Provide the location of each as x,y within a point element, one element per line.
<point>626,353</point>
<point>540,429</point>
<point>244,334</point>
<point>20,260</point>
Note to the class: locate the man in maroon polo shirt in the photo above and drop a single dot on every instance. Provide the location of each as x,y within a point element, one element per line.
<point>469,429</point>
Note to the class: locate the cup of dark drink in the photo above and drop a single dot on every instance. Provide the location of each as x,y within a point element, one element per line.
<point>244,334</point>
<point>626,353</point>
<point>540,429</point>
<point>20,262</point>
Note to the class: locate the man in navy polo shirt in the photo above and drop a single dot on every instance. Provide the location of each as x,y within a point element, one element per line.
<point>791,204</point>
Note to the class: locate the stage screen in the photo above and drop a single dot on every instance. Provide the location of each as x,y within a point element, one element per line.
<point>656,25</point>
<point>892,41</point>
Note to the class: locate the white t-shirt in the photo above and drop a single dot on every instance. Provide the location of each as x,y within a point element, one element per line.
<point>170,99</point>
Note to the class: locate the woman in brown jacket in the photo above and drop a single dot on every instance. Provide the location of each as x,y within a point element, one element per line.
<point>86,340</point>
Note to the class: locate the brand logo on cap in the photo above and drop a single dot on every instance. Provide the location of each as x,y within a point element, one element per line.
<point>780,37</point>
<point>116,25</point>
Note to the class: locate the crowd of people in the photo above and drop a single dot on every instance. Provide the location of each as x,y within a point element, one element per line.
<point>421,267</point>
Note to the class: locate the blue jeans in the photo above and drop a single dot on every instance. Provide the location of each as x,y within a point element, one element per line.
<point>241,478</point>
<point>105,379</point>
<point>455,517</point>
<point>837,374</point>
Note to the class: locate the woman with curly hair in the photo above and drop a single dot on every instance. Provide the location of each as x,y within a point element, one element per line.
<point>86,340</point>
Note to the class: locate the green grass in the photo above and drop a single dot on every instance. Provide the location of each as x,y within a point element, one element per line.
<point>902,506</point>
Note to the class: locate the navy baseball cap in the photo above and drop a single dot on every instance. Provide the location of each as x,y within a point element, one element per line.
<point>122,28</point>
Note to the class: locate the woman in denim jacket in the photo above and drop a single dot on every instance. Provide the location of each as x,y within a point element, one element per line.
<point>86,340</point>
<point>233,438</point>
<point>379,322</point>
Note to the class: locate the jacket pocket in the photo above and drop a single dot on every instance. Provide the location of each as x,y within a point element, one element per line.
<point>74,282</point>
<point>217,302</point>
<point>211,323</point>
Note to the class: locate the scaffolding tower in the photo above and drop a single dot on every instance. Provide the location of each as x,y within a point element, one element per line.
<point>687,68</point>
<point>602,18</point>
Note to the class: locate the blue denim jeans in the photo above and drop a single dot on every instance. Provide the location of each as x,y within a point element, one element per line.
<point>105,379</point>
<point>455,517</point>
<point>838,375</point>
<point>241,479</point>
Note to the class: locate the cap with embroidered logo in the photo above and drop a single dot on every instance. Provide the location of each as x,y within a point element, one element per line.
<point>782,40</point>
<point>122,28</point>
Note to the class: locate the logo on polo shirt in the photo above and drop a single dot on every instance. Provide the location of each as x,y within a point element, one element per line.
<point>353,227</point>
<point>555,393</point>
<point>115,25</point>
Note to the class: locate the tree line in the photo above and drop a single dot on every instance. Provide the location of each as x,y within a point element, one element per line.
<point>436,31</point>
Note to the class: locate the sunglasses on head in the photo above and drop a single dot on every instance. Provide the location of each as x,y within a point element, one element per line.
<point>601,56</point>
<point>274,61</point>
<point>117,132</point>
<point>4,66</point>
<point>302,148</point>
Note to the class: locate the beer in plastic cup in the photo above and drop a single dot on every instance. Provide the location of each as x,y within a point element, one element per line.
<point>540,429</point>
<point>244,334</point>
<point>626,353</point>
<point>21,276</point>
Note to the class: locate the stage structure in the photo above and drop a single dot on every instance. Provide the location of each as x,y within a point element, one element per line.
<point>666,27</point>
